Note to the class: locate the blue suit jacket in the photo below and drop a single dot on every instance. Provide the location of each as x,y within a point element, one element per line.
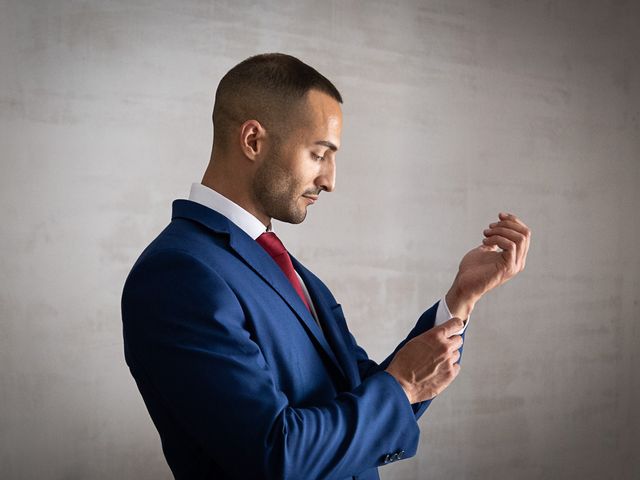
<point>238,378</point>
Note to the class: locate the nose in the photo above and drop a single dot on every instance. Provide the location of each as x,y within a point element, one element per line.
<point>326,180</point>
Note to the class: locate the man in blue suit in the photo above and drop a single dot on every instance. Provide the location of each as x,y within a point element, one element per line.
<point>242,355</point>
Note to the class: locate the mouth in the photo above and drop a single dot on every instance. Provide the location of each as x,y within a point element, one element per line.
<point>311,198</point>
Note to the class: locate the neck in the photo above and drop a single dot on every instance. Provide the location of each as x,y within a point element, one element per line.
<point>231,187</point>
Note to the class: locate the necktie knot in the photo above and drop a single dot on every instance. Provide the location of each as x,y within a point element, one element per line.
<point>271,243</point>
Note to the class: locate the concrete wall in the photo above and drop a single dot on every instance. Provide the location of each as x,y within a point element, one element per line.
<point>453,110</point>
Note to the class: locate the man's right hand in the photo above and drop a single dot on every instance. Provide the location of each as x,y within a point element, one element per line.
<point>426,364</point>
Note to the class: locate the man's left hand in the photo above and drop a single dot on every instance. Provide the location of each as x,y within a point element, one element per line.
<point>501,256</point>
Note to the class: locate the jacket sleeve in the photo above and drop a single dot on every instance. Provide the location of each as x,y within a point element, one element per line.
<point>184,332</point>
<point>368,367</point>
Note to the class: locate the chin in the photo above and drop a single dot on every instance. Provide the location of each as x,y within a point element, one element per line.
<point>298,218</point>
<point>294,217</point>
<point>300,215</point>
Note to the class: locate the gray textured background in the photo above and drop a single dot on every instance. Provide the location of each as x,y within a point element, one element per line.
<point>453,111</point>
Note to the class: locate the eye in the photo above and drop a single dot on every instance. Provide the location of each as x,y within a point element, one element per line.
<point>316,157</point>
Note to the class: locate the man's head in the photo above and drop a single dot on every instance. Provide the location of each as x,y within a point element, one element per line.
<point>277,124</point>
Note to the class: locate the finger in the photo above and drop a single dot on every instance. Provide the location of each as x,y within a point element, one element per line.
<point>502,242</point>
<point>451,326</point>
<point>509,216</point>
<point>455,342</point>
<point>518,227</point>
<point>455,357</point>
<point>513,235</point>
<point>526,251</point>
<point>518,238</point>
<point>505,244</point>
<point>517,224</point>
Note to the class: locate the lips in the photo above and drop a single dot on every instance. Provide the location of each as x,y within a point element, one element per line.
<point>313,198</point>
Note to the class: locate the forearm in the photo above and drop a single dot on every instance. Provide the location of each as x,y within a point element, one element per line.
<point>460,305</point>
<point>357,430</point>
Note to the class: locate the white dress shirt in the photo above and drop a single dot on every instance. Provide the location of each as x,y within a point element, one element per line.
<point>254,228</point>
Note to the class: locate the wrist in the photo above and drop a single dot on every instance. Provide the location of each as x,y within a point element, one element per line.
<point>406,388</point>
<point>459,305</point>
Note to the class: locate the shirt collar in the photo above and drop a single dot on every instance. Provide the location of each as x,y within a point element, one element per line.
<point>210,198</point>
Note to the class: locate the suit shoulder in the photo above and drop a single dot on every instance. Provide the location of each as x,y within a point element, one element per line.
<point>188,237</point>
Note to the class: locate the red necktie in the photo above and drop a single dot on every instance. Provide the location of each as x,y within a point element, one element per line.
<point>274,247</point>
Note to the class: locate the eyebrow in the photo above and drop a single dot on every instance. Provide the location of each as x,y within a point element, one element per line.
<point>327,144</point>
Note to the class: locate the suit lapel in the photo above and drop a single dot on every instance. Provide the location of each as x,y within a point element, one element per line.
<point>331,329</point>
<point>260,262</point>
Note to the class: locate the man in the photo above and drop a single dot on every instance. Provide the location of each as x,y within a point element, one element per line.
<point>241,354</point>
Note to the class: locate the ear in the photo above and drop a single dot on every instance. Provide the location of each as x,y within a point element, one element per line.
<point>252,139</point>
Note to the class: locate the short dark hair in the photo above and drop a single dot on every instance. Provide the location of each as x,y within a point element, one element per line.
<point>266,88</point>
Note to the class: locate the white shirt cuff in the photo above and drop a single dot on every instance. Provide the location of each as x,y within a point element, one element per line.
<point>443,314</point>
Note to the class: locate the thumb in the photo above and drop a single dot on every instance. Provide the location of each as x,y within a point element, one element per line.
<point>452,326</point>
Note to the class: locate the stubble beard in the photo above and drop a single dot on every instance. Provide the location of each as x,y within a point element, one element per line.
<point>275,190</point>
